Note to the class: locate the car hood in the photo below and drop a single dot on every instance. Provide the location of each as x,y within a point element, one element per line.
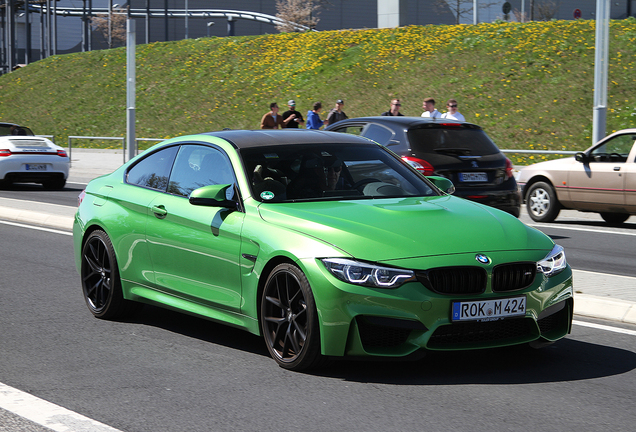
<point>390,229</point>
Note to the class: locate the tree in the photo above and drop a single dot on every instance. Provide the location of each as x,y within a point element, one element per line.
<point>301,12</point>
<point>114,29</point>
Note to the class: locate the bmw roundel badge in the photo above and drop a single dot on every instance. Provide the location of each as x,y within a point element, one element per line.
<point>482,258</point>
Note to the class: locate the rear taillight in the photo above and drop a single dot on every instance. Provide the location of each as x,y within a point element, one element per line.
<point>5,152</point>
<point>61,152</point>
<point>420,164</point>
<point>509,169</point>
<point>80,197</point>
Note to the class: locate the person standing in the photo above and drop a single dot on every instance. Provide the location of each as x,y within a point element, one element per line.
<point>452,112</point>
<point>429,108</point>
<point>337,114</point>
<point>291,117</point>
<point>272,120</point>
<point>313,117</point>
<point>394,110</point>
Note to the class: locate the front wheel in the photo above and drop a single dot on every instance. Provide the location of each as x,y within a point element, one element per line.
<point>101,284</point>
<point>289,319</point>
<point>542,203</point>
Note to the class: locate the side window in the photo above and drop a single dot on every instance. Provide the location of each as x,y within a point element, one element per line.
<point>379,134</point>
<point>197,166</point>
<point>153,171</point>
<point>615,150</point>
<point>353,130</point>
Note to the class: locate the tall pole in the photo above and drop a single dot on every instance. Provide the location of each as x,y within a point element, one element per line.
<point>600,70</point>
<point>131,140</point>
<point>475,12</point>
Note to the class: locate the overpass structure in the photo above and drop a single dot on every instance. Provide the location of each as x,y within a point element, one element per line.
<point>48,11</point>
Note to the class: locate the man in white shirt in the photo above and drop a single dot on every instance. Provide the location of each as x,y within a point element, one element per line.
<point>429,109</point>
<point>452,113</point>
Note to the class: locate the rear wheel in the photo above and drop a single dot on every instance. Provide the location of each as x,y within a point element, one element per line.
<point>101,284</point>
<point>615,218</point>
<point>54,184</point>
<point>289,319</point>
<point>542,203</point>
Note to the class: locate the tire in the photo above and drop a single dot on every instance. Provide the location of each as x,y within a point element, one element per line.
<point>101,284</point>
<point>54,184</point>
<point>289,319</point>
<point>615,218</point>
<point>542,203</point>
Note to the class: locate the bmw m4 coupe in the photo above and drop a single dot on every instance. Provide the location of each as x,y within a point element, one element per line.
<point>326,244</point>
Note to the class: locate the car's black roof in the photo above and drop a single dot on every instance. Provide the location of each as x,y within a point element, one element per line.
<point>270,137</point>
<point>398,120</point>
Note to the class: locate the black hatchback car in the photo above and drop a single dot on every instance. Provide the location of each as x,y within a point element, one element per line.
<point>459,151</point>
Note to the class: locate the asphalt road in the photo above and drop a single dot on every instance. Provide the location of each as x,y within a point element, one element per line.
<point>164,371</point>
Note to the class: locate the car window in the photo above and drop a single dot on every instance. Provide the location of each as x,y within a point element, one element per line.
<point>6,130</point>
<point>153,170</point>
<point>329,172</point>
<point>378,133</point>
<point>459,140</point>
<point>351,129</point>
<point>197,166</point>
<point>615,150</point>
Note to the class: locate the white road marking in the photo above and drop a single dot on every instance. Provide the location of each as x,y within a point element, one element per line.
<point>599,230</point>
<point>605,327</point>
<point>38,228</point>
<point>46,413</point>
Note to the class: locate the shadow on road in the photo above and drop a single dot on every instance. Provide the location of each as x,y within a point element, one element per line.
<point>566,360</point>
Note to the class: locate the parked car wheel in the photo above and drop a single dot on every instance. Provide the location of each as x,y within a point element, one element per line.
<point>289,319</point>
<point>615,218</point>
<point>542,203</point>
<point>100,278</point>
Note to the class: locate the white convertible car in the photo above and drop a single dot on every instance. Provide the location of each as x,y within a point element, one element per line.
<point>25,158</point>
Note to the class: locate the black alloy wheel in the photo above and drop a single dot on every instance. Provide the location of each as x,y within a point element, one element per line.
<point>100,278</point>
<point>289,319</point>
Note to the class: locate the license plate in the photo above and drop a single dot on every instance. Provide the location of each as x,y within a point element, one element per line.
<point>473,177</point>
<point>489,310</point>
<point>35,167</point>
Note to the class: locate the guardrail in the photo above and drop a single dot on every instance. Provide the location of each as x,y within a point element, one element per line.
<point>555,152</point>
<point>122,139</point>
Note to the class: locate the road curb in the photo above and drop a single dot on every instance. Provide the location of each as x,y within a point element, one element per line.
<point>37,218</point>
<point>599,307</point>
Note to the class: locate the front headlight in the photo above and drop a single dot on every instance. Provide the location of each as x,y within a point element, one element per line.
<point>553,263</point>
<point>365,274</point>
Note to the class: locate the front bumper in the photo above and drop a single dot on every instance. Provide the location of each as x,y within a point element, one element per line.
<point>358,321</point>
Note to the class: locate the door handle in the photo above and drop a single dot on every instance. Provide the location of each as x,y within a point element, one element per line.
<point>617,168</point>
<point>159,211</point>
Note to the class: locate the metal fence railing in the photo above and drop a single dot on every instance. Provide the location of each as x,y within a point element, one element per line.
<point>122,139</point>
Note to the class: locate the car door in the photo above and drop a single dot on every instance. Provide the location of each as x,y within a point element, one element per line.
<point>195,249</point>
<point>630,181</point>
<point>599,182</point>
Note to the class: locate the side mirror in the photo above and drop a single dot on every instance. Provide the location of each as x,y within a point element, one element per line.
<point>443,184</point>
<point>214,196</point>
<point>581,157</point>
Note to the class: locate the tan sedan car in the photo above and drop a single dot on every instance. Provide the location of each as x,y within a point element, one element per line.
<point>601,179</point>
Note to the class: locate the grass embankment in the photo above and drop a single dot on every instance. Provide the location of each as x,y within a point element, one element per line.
<point>529,85</point>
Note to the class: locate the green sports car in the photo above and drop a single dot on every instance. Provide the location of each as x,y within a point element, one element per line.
<point>327,244</point>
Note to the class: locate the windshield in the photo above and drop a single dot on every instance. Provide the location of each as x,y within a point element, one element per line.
<point>459,140</point>
<point>329,172</point>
